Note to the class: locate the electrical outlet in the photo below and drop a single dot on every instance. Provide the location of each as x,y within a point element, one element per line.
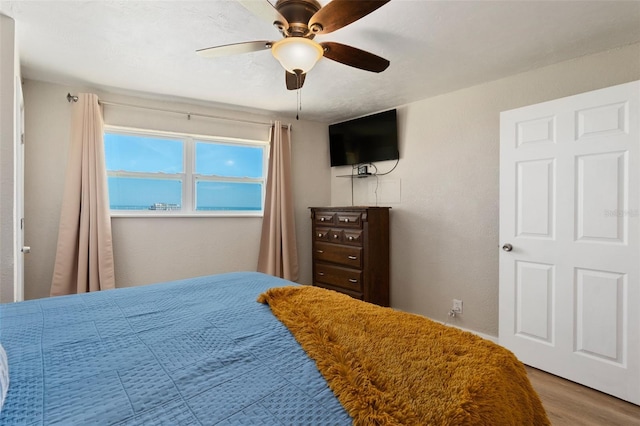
<point>457,306</point>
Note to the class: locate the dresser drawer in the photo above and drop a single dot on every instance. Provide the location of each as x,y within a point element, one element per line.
<point>352,237</point>
<point>340,277</point>
<point>325,218</point>
<point>321,234</point>
<point>344,255</point>
<point>350,219</point>
<point>335,235</point>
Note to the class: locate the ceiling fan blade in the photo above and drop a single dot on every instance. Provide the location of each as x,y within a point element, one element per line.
<point>294,81</point>
<point>340,13</point>
<point>354,57</point>
<point>265,10</point>
<point>234,49</point>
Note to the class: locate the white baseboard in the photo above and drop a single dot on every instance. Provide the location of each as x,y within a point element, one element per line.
<point>493,339</point>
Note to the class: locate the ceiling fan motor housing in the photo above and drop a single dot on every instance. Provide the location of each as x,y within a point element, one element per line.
<point>297,13</point>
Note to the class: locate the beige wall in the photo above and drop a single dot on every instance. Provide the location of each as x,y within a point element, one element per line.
<point>157,249</point>
<point>444,229</point>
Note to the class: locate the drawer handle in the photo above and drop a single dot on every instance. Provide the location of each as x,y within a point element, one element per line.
<point>321,273</point>
<point>336,236</point>
<point>353,257</point>
<point>319,251</point>
<point>351,280</point>
<point>322,219</point>
<point>319,235</point>
<point>346,219</point>
<point>350,238</point>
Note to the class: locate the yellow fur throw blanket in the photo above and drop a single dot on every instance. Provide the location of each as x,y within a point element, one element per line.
<point>393,368</point>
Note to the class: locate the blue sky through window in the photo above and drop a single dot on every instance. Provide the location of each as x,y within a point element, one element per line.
<point>143,154</point>
<point>228,160</point>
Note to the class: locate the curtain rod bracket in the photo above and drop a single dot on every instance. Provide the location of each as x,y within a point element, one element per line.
<point>71,98</point>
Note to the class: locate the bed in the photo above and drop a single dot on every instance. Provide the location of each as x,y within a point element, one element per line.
<point>204,351</point>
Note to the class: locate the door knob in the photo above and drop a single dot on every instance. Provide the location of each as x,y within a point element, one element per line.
<point>507,247</point>
<point>26,249</point>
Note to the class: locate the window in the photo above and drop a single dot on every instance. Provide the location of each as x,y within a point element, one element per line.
<point>155,173</point>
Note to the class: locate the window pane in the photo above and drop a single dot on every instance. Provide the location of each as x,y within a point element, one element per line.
<point>145,154</point>
<point>229,160</point>
<point>126,193</point>
<point>228,196</point>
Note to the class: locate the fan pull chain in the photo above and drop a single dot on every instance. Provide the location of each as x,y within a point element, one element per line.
<point>298,95</point>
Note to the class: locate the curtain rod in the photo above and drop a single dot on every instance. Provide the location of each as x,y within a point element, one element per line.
<point>73,98</point>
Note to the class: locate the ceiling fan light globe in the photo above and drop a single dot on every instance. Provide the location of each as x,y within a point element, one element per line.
<point>297,53</point>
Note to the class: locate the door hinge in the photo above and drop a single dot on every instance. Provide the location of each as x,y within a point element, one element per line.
<point>22,138</point>
<point>22,223</point>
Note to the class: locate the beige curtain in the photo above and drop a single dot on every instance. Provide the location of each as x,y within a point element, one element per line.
<point>278,250</point>
<point>84,256</point>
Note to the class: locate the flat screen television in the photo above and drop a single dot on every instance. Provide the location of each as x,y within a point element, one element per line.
<point>364,140</point>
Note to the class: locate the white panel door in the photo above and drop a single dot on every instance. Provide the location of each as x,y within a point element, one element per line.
<point>570,238</point>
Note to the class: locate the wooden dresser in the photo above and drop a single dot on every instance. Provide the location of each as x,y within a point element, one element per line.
<point>351,251</point>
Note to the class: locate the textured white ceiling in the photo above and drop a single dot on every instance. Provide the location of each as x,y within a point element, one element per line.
<point>434,47</point>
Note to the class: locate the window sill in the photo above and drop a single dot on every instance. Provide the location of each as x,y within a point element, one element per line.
<point>155,214</point>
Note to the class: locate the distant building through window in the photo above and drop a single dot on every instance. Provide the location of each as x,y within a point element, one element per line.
<point>158,173</point>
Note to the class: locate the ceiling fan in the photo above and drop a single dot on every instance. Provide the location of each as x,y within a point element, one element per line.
<point>299,21</point>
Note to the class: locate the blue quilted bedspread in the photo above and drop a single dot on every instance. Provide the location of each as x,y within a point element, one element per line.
<point>197,351</point>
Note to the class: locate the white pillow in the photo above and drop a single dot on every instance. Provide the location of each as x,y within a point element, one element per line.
<point>4,376</point>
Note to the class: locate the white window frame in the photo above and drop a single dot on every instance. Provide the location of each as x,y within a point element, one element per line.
<point>189,177</point>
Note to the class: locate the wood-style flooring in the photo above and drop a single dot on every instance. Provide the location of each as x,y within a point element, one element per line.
<point>568,403</point>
